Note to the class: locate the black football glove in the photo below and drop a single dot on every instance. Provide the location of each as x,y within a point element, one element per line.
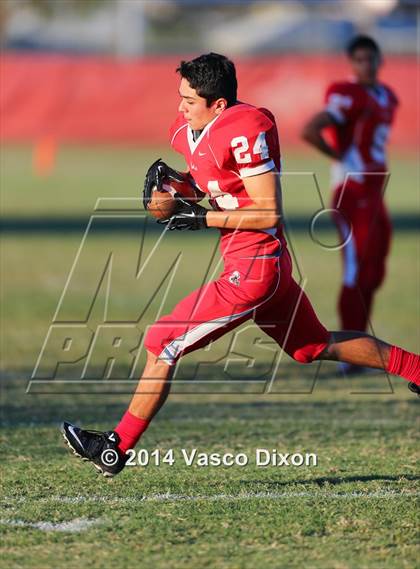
<point>187,215</point>
<point>155,175</point>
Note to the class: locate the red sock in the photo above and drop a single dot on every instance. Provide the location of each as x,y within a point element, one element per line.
<point>130,429</point>
<point>404,364</point>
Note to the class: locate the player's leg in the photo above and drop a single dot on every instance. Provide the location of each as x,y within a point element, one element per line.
<point>290,319</point>
<point>151,393</point>
<point>152,390</point>
<point>361,213</point>
<point>361,207</point>
<point>373,254</point>
<point>106,450</point>
<point>353,306</point>
<point>359,349</point>
<point>356,301</point>
<point>202,317</point>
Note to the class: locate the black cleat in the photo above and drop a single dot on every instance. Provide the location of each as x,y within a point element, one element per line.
<point>100,448</point>
<point>414,388</point>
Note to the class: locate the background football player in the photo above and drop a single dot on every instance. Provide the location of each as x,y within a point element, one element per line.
<point>232,151</point>
<point>359,114</point>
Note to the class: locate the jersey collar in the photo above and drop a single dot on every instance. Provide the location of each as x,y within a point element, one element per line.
<point>194,143</point>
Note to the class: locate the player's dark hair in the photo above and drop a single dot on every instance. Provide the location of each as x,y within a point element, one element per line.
<point>213,76</point>
<point>363,42</point>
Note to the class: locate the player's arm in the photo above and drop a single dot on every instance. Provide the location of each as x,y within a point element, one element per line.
<point>312,133</point>
<point>263,213</point>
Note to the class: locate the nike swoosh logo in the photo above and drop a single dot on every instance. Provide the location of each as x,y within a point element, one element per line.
<point>201,153</point>
<point>75,436</point>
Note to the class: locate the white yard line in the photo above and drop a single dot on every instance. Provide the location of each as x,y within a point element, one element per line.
<point>73,526</point>
<point>83,524</point>
<point>167,497</point>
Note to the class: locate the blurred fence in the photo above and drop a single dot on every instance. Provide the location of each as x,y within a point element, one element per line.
<point>100,99</point>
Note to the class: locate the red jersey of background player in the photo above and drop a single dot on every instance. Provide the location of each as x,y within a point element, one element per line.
<point>242,141</point>
<point>363,116</point>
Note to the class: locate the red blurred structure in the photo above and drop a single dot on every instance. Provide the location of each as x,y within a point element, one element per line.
<point>98,99</point>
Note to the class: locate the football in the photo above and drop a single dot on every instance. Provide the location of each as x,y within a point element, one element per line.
<point>162,204</point>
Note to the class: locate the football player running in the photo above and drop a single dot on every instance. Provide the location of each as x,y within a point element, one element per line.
<point>359,114</point>
<point>232,152</point>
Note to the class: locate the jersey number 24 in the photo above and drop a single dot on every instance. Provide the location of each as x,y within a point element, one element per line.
<point>240,145</point>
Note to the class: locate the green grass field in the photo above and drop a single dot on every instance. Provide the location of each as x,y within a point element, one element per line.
<point>358,508</point>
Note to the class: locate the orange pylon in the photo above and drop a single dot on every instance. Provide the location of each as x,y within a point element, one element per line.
<point>44,156</point>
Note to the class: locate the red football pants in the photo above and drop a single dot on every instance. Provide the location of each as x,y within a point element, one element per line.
<point>261,288</point>
<point>362,210</point>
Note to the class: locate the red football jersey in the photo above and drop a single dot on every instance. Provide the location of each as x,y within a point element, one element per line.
<point>241,142</point>
<point>363,117</point>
